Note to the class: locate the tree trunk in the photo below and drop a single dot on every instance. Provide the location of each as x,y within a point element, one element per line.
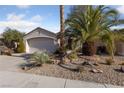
<point>88,49</point>
<point>62,30</point>
<point>112,56</point>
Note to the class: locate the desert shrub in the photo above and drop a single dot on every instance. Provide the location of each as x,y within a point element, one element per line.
<point>109,61</point>
<point>73,56</point>
<point>41,57</point>
<point>21,47</point>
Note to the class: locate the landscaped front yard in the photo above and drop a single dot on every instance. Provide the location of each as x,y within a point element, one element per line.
<point>83,37</point>
<point>110,74</point>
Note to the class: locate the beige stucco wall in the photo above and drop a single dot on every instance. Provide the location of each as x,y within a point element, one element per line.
<point>99,43</point>
<point>120,48</point>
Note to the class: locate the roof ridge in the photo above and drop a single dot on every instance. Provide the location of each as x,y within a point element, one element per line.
<point>40,28</point>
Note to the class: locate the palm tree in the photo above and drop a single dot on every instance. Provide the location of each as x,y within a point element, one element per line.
<point>89,26</point>
<point>62,30</point>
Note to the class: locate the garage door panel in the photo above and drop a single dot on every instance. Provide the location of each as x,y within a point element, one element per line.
<point>40,44</point>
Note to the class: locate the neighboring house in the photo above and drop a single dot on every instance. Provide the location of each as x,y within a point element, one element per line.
<point>39,40</point>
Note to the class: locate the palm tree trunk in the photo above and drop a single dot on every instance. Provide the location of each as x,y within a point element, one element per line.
<point>112,55</point>
<point>88,49</point>
<point>70,43</point>
<point>62,30</point>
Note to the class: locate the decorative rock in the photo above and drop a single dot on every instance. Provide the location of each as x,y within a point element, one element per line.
<point>55,61</point>
<point>69,52</point>
<point>100,71</point>
<point>87,63</point>
<point>96,64</point>
<point>66,60</point>
<point>96,71</point>
<point>25,68</point>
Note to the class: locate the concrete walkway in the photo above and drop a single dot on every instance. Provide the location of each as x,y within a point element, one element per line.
<point>23,80</point>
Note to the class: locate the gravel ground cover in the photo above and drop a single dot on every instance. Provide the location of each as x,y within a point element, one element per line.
<point>110,73</point>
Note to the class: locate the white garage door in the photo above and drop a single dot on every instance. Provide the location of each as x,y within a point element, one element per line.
<point>41,43</point>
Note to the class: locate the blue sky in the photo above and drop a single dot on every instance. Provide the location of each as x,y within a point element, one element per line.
<point>26,18</point>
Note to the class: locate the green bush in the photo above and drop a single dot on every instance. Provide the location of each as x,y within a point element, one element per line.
<point>41,58</point>
<point>21,47</point>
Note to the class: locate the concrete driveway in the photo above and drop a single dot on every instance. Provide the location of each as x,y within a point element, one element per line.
<point>11,63</point>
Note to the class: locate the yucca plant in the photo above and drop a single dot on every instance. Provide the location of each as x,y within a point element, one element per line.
<point>72,56</point>
<point>40,58</point>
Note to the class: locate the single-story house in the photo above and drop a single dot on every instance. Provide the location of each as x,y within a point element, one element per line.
<point>39,40</point>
